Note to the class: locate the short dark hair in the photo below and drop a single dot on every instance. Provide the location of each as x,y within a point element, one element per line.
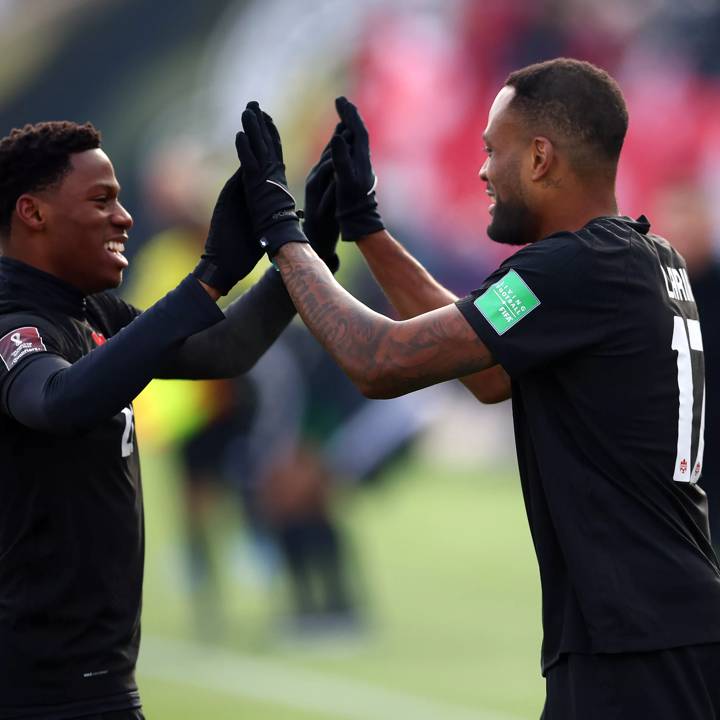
<point>36,157</point>
<point>577,100</point>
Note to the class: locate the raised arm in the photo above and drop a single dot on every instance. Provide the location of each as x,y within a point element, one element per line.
<point>232,347</point>
<point>256,319</point>
<point>412,291</point>
<point>384,358</point>
<point>407,284</point>
<point>49,393</point>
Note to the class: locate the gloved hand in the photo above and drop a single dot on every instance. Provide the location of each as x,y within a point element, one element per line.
<point>272,207</point>
<point>229,253</point>
<point>320,225</point>
<point>357,209</point>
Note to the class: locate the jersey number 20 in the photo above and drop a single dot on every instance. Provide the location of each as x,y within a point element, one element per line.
<point>685,341</point>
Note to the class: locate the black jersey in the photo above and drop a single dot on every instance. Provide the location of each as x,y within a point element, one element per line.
<point>706,288</point>
<point>71,522</point>
<point>599,332</point>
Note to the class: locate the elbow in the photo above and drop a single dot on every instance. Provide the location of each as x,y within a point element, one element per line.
<point>380,388</point>
<point>491,399</point>
<point>490,395</point>
<point>490,386</point>
<point>376,392</point>
<point>57,419</point>
<point>366,387</point>
<point>241,363</point>
<point>241,368</point>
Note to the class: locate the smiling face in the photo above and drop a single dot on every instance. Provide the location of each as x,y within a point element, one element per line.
<point>85,225</point>
<point>507,144</point>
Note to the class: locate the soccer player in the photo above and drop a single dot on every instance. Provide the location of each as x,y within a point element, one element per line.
<point>593,330</point>
<point>73,356</point>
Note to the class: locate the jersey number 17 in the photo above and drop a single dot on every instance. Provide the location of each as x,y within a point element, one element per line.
<point>691,429</point>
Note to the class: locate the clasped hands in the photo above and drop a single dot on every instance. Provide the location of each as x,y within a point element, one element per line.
<point>255,212</point>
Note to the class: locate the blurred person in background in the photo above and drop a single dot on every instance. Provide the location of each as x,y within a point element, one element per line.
<point>340,440</point>
<point>682,212</point>
<point>74,356</point>
<point>593,331</point>
<point>296,492</point>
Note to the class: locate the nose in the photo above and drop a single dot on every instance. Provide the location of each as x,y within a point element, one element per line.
<point>122,218</point>
<point>483,170</point>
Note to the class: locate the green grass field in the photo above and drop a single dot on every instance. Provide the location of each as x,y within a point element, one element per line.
<point>452,612</point>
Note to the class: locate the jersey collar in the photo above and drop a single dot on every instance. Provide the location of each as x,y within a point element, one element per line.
<point>641,225</point>
<point>41,288</point>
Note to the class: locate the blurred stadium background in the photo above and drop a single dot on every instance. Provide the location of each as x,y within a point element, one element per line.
<point>441,615</point>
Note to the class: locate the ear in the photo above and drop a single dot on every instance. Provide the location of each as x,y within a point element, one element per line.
<point>543,155</point>
<point>30,212</point>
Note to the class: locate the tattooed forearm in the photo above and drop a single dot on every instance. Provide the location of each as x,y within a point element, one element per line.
<point>384,358</point>
<point>350,331</point>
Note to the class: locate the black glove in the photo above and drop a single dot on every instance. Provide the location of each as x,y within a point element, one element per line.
<point>272,207</point>
<point>357,209</point>
<point>320,225</point>
<point>229,253</point>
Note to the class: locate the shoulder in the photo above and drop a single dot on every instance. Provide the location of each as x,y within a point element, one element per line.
<point>662,249</point>
<point>26,333</point>
<point>560,254</point>
<point>16,318</point>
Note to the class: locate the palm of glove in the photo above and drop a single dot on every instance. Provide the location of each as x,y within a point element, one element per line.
<point>229,253</point>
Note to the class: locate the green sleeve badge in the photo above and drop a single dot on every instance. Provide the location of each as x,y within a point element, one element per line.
<point>506,302</point>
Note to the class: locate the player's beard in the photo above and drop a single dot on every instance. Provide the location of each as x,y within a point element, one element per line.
<point>513,223</point>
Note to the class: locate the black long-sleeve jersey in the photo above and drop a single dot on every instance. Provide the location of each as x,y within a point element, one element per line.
<point>71,508</point>
<point>599,332</point>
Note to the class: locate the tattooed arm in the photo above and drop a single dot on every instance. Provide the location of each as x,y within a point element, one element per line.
<point>412,291</point>
<point>383,357</point>
<point>406,283</point>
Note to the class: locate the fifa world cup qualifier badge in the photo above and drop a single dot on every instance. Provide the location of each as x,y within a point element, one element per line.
<point>506,302</point>
<point>18,343</point>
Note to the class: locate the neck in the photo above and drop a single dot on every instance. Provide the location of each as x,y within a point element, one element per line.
<point>577,209</point>
<point>25,250</point>
<point>28,250</point>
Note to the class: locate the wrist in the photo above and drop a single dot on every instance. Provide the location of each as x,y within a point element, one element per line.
<point>212,276</point>
<point>280,234</point>
<point>214,293</point>
<point>360,220</point>
<point>373,236</point>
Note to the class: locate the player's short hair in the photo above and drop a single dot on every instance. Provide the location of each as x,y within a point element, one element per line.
<point>36,157</point>
<point>577,101</point>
